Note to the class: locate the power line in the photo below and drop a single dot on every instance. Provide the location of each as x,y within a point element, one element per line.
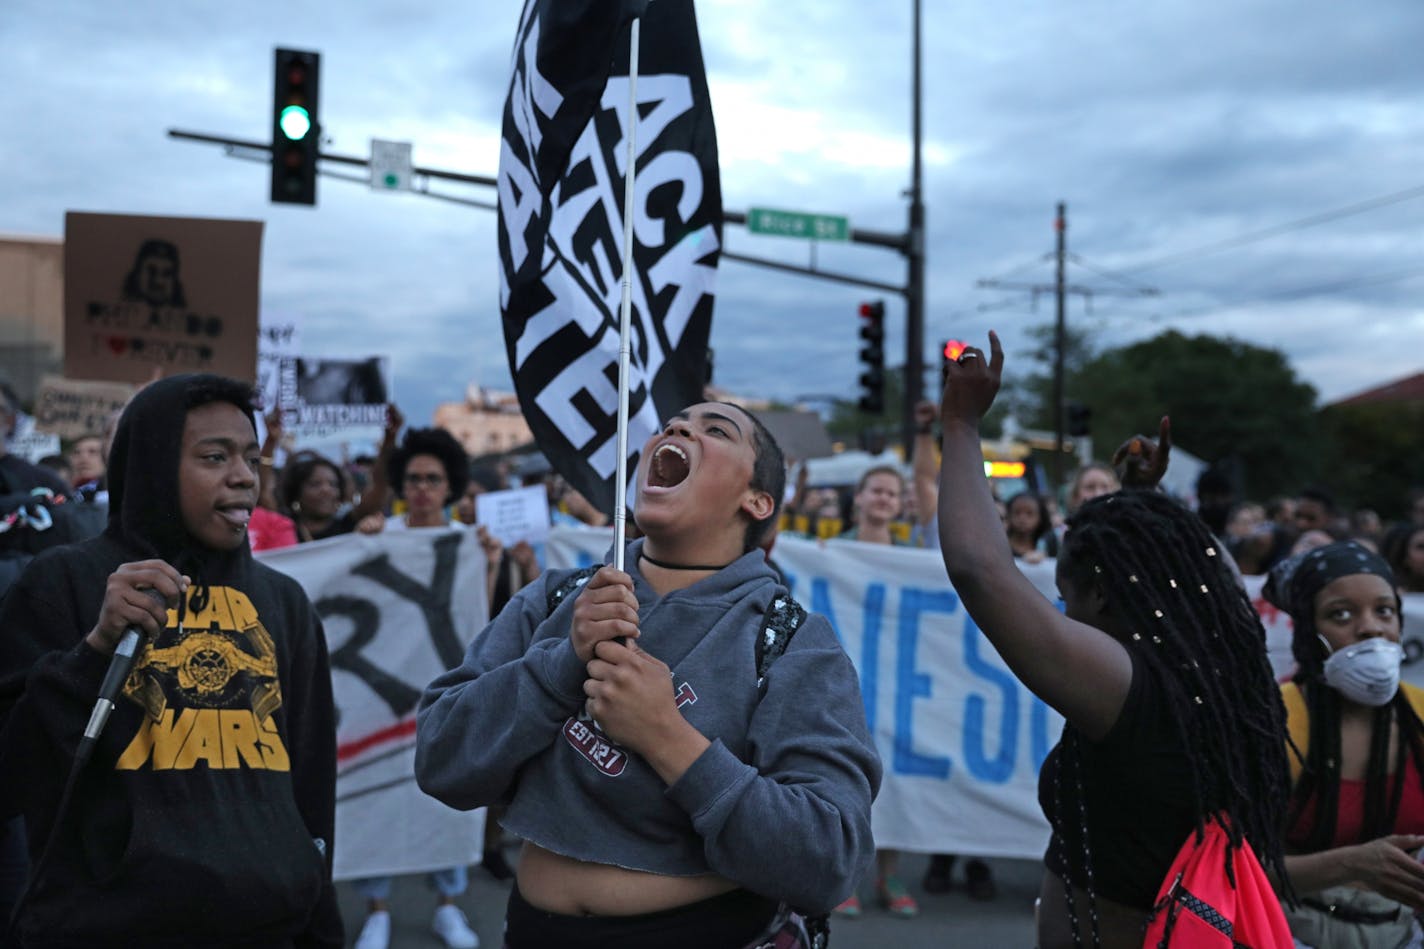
<point>1118,278</point>
<point>1023,267</point>
<point>1276,295</point>
<point>1253,236</point>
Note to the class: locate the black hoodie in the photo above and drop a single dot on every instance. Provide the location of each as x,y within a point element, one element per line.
<point>205,817</point>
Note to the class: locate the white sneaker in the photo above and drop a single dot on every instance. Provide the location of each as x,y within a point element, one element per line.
<point>376,934</point>
<point>451,926</point>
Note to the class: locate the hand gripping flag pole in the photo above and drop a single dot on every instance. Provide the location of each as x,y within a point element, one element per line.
<point>625,316</point>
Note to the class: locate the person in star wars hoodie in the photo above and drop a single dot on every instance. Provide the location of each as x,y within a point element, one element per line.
<point>668,792</point>
<point>205,816</point>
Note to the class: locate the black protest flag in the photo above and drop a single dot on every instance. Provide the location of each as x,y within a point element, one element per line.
<point>561,185</point>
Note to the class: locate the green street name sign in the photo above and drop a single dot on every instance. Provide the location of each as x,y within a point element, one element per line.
<point>815,227</point>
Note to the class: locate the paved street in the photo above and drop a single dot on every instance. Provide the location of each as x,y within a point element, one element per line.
<point>945,922</point>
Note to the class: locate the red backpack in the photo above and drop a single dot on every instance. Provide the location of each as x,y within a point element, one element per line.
<point>1198,907</point>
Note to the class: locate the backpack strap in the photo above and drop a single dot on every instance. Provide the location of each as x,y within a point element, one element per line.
<point>1415,695</point>
<point>1297,727</point>
<point>573,582</point>
<point>783,617</point>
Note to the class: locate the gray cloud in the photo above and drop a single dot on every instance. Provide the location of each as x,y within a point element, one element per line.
<point>1165,127</point>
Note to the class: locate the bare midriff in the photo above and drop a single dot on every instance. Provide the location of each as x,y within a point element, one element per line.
<point>559,884</point>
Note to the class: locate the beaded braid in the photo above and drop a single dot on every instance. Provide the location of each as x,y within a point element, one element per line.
<point>1070,737</point>
<point>1161,574</point>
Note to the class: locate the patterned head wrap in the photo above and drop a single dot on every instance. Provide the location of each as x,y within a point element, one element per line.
<point>1294,582</point>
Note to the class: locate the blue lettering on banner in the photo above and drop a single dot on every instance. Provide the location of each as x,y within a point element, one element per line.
<point>910,684</point>
<point>1000,768</point>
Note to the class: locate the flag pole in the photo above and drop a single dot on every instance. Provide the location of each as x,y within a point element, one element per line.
<point>625,316</point>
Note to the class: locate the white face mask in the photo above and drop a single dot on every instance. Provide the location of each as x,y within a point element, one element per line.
<point>1367,672</point>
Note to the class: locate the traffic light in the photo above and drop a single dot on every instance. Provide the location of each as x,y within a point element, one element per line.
<point>948,353</point>
<point>1080,419</point>
<point>296,131</point>
<point>872,355</point>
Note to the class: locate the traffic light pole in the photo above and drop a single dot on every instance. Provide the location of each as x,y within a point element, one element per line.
<point>911,243</point>
<point>329,156</point>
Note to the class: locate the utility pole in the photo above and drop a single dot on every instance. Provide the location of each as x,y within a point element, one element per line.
<point>915,292</point>
<point>1060,289</point>
<point>1060,341</point>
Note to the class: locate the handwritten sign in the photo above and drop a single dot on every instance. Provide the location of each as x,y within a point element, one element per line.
<point>71,408</point>
<point>176,293</point>
<point>512,516</point>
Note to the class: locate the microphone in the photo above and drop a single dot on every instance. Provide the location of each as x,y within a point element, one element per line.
<point>119,668</point>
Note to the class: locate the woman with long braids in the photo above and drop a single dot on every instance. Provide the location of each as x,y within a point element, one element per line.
<point>1158,663</point>
<point>1357,802</point>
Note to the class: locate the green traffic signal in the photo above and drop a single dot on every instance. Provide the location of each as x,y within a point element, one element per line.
<point>295,122</point>
<point>296,126</point>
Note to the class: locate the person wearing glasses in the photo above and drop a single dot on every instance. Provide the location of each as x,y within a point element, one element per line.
<point>428,471</point>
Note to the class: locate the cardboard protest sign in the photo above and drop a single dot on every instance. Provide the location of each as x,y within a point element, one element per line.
<point>71,408</point>
<point>179,294</point>
<point>329,398</point>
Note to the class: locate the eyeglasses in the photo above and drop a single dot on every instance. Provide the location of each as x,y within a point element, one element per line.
<point>417,479</point>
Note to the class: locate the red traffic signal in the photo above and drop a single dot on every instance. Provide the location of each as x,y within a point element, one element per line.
<point>872,357</point>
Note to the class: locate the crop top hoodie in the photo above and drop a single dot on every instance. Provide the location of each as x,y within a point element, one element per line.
<point>780,801</point>
<point>205,816</point>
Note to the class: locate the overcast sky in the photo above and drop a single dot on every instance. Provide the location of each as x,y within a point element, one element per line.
<point>1166,127</point>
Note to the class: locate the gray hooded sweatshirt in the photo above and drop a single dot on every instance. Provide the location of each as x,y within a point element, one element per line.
<point>780,802</point>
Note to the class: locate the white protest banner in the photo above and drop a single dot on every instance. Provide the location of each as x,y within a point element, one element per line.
<point>399,609</point>
<point>515,515</point>
<point>960,738</point>
<point>71,408</point>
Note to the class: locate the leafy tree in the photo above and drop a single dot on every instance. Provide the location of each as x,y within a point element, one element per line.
<point>1374,454</point>
<point>1029,394</point>
<point>1228,400</point>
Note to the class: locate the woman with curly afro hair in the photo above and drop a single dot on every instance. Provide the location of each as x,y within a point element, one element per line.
<point>428,471</point>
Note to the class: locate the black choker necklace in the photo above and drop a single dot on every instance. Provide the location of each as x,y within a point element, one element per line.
<point>680,566</point>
